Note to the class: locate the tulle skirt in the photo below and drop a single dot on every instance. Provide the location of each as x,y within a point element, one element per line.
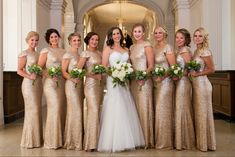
<point>120,126</point>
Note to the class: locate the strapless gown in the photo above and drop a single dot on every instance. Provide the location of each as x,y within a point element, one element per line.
<point>120,126</point>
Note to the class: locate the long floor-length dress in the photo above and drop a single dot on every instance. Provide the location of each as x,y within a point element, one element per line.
<point>184,124</point>
<point>94,95</point>
<point>202,103</point>
<point>55,100</point>
<point>74,117</point>
<point>32,94</point>
<point>120,127</point>
<point>144,97</point>
<point>163,103</point>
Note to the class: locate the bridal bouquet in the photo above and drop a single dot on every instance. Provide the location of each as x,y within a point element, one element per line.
<point>98,69</point>
<point>175,71</point>
<point>54,72</point>
<point>158,71</point>
<point>77,73</point>
<point>141,76</point>
<point>35,69</point>
<point>193,66</point>
<point>121,73</point>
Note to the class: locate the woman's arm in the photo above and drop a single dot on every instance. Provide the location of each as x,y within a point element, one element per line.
<point>209,67</point>
<point>150,58</point>
<point>105,57</point>
<point>64,68</point>
<point>21,69</point>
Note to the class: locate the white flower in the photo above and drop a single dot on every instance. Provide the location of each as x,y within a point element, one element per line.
<point>172,67</point>
<point>53,69</point>
<point>178,68</point>
<point>144,72</point>
<point>176,71</point>
<point>157,69</point>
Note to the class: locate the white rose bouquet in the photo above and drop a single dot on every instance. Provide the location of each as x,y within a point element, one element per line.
<point>158,71</point>
<point>121,73</point>
<point>77,73</point>
<point>175,71</point>
<point>55,72</point>
<point>98,69</point>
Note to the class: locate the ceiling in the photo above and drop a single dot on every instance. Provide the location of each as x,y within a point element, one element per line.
<point>110,13</point>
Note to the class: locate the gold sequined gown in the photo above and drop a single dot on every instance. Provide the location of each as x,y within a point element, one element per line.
<point>144,97</point>
<point>184,124</point>
<point>32,94</point>
<point>93,90</point>
<point>202,103</point>
<point>55,100</point>
<point>74,119</point>
<point>163,103</point>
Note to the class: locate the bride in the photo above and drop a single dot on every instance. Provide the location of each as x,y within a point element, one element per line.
<point>120,127</point>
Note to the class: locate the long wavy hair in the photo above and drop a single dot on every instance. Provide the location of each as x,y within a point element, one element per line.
<point>110,41</point>
<point>205,43</point>
<point>186,35</point>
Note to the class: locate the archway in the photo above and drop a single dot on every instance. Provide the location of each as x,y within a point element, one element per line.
<point>154,14</point>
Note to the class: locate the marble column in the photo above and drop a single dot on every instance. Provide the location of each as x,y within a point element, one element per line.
<point>181,9</point>
<point>57,16</point>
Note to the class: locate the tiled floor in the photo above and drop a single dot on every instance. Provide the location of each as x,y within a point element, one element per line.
<point>10,136</point>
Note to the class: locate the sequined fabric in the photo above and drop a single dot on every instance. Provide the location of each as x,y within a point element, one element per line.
<point>163,103</point>
<point>74,117</point>
<point>94,95</point>
<point>143,98</point>
<point>32,129</point>
<point>202,103</point>
<point>55,100</point>
<point>184,124</point>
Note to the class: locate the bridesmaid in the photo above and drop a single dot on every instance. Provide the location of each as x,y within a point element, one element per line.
<point>32,94</point>
<point>202,93</point>
<point>55,96</point>
<point>142,58</point>
<point>184,128</point>
<point>73,125</point>
<point>93,90</point>
<point>163,92</point>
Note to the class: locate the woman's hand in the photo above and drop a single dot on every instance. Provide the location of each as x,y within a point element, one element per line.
<point>96,76</point>
<point>141,82</point>
<point>194,74</point>
<point>32,76</point>
<point>159,78</point>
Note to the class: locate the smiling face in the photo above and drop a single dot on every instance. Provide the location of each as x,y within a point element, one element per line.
<point>198,38</point>
<point>180,39</point>
<point>33,42</point>
<point>75,42</point>
<point>93,41</point>
<point>159,34</point>
<point>54,39</point>
<point>116,36</point>
<point>138,33</point>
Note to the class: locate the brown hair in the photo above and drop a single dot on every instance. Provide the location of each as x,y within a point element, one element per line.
<point>186,35</point>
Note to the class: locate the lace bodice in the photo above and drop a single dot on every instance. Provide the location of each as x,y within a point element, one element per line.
<point>117,56</point>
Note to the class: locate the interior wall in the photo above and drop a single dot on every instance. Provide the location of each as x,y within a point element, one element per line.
<point>1,65</point>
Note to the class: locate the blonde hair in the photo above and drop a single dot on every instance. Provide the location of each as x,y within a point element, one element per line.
<point>163,29</point>
<point>205,43</point>
<point>30,35</point>
<point>73,35</point>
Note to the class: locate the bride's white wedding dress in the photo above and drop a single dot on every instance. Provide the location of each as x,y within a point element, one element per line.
<point>120,127</point>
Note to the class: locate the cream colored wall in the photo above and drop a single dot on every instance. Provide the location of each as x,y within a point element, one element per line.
<point>202,14</point>
<point>1,66</point>
<point>232,8</point>
<point>43,21</point>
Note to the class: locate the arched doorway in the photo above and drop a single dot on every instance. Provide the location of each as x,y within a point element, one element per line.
<point>100,15</point>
